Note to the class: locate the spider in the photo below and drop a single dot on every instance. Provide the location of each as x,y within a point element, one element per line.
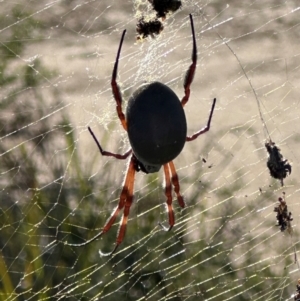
<point>157,131</point>
<point>278,166</point>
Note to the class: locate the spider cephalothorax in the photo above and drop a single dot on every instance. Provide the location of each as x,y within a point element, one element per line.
<point>157,131</point>
<point>279,167</point>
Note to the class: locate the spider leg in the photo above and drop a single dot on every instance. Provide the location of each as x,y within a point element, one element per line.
<point>109,154</point>
<point>191,71</point>
<point>107,226</point>
<point>115,87</point>
<point>168,193</point>
<point>175,183</point>
<point>126,197</point>
<point>207,127</point>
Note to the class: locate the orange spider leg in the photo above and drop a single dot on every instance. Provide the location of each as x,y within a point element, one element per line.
<point>175,183</point>
<point>168,193</point>
<point>115,87</point>
<point>125,201</point>
<point>126,198</point>
<point>191,71</point>
<point>207,127</point>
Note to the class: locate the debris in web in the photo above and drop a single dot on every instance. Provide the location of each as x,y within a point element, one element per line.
<point>55,188</point>
<point>148,28</point>
<point>151,25</point>
<point>164,7</point>
<point>284,217</point>
<point>297,295</point>
<point>279,167</point>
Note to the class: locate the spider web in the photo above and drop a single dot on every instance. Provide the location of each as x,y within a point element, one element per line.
<point>57,60</point>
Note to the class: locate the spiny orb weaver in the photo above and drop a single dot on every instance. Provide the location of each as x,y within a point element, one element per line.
<point>157,131</point>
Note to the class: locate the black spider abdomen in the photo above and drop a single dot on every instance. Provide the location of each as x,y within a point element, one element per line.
<point>156,124</point>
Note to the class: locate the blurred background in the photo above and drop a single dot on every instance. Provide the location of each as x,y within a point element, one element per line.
<point>55,187</point>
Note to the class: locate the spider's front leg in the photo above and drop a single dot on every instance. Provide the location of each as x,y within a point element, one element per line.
<point>169,180</point>
<point>175,182</point>
<point>125,202</point>
<point>126,198</point>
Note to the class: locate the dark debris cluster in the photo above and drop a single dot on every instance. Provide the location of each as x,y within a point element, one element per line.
<point>297,295</point>
<point>154,26</point>
<point>279,167</point>
<point>164,7</point>
<point>146,28</point>
<point>284,217</point>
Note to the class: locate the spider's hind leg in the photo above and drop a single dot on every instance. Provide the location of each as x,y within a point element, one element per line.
<point>189,76</point>
<point>115,88</point>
